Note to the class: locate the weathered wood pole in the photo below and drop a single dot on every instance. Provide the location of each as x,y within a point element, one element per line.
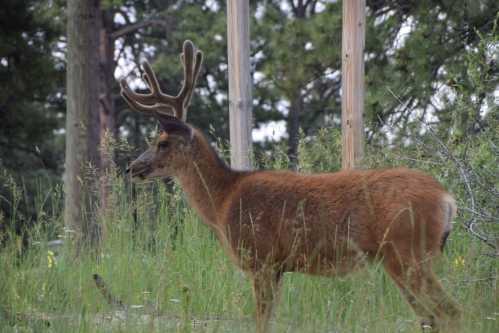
<point>352,82</point>
<point>240,101</point>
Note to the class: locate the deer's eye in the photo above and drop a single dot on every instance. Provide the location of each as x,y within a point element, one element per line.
<point>163,144</point>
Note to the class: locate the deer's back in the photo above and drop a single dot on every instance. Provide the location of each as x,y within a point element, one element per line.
<point>325,219</point>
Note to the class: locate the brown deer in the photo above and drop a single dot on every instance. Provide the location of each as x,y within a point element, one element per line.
<point>272,222</point>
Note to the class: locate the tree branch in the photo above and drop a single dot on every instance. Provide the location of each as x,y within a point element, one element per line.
<point>136,26</point>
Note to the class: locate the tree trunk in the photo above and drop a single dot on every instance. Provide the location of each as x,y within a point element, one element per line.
<point>82,121</point>
<point>293,124</point>
<point>107,108</point>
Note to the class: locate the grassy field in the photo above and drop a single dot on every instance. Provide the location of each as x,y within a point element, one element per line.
<point>172,276</point>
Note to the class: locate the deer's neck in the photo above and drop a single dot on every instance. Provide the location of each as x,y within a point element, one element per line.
<point>207,181</point>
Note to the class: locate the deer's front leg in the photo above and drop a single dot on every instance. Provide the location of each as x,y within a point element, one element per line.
<point>266,285</point>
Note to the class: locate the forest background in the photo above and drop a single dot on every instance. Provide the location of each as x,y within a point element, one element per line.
<point>427,63</point>
<point>432,95</point>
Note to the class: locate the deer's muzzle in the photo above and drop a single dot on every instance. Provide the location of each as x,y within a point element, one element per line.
<point>142,166</point>
<point>140,170</point>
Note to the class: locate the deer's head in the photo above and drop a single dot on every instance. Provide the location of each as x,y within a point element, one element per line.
<point>172,147</point>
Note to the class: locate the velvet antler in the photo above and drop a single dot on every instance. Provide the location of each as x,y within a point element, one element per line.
<point>156,101</point>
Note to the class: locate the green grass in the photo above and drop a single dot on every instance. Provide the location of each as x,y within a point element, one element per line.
<point>172,265</point>
<point>187,284</point>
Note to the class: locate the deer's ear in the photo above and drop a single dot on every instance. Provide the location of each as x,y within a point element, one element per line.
<point>173,126</point>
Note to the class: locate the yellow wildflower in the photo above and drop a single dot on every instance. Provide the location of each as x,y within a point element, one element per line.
<point>50,259</point>
<point>459,262</point>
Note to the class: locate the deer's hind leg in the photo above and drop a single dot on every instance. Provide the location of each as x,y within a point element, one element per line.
<point>423,291</point>
<point>266,285</point>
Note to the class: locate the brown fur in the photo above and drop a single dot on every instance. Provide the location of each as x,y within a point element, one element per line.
<point>329,224</point>
<point>271,222</point>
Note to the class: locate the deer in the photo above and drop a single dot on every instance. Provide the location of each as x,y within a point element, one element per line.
<point>274,222</point>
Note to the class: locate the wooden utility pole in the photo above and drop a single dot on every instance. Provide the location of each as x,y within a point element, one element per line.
<point>240,101</point>
<point>352,82</point>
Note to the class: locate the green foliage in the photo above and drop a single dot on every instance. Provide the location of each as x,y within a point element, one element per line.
<point>30,83</point>
<point>170,264</point>
<point>475,107</point>
<point>30,106</point>
<point>164,258</point>
<point>421,51</point>
<point>321,153</point>
<point>297,52</point>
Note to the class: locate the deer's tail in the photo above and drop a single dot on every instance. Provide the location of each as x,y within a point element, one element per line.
<point>450,210</point>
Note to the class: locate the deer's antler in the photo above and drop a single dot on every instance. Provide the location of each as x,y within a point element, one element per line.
<point>158,102</point>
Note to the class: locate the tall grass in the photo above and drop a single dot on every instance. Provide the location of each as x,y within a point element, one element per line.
<point>169,270</point>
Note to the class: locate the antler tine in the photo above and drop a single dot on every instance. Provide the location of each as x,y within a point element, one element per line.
<point>149,98</point>
<point>158,102</point>
<point>135,103</point>
<point>197,68</point>
<point>153,102</point>
<point>131,97</point>
<point>191,72</point>
<point>164,103</point>
<point>152,81</point>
